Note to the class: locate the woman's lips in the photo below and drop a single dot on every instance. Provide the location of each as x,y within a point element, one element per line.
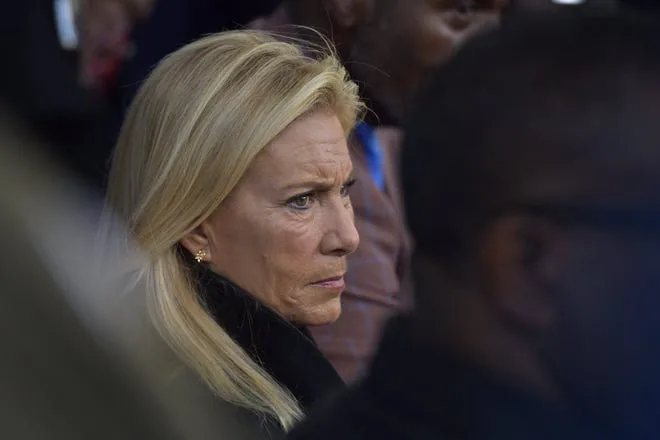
<point>330,283</point>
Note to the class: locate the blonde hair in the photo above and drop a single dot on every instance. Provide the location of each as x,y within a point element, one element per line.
<point>194,128</point>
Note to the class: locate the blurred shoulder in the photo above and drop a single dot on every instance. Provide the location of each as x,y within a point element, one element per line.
<point>217,416</point>
<point>348,415</point>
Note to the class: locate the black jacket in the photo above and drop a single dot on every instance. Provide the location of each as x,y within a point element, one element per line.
<point>413,393</point>
<point>285,351</point>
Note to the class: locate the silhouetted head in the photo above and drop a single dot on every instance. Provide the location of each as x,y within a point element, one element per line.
<point>532,183</point>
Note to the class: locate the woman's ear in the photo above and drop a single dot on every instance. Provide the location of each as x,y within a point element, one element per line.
<point>197,243</point>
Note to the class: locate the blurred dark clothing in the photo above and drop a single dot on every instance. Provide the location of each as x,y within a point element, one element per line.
<point>40,80</point>
<point>644,5</point>
<point>285,351</point>
<point>378,276</point>
<point>174,23</point>
<point>413,392</point>
<point>38,76</point>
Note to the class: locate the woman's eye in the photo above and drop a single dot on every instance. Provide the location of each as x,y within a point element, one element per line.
<point>301,202</point>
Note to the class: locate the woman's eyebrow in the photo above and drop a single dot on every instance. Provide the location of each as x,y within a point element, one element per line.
<point>319,183</point>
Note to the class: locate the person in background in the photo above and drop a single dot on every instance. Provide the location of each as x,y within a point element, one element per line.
<point>121,40</point>
<point>536,265</point>
<point>389,47</point>
<point>232,174</point>
<point>105,28</point>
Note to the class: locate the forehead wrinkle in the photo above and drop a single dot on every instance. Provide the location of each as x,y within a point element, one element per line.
<point>309,150</point>
<point>304,148</point>
<point>326,175</point>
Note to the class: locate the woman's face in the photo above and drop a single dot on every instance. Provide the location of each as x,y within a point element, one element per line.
<point>284,233</point>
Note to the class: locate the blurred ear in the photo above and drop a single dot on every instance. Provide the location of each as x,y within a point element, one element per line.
<point>197,240</point>
<point>348,13</point>
<point>520,260</point>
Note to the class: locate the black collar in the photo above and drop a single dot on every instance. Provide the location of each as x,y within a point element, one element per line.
<point>284,350</point>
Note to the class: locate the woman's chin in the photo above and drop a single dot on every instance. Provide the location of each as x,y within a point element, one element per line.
<point>322,315</point>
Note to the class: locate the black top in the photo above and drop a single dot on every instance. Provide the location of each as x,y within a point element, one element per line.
<point>414,393</point>
<point>285,351</point>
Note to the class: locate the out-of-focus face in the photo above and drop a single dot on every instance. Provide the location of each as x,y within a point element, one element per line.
<point>394,52</point>
<point>606,349</point>
<point>595,279</point>
<point>285,231</point>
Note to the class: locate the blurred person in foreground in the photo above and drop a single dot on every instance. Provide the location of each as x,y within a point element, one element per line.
<point>66,371</point>
<point>389,47</point>
<point>232,173</point>
<point>532,193</point>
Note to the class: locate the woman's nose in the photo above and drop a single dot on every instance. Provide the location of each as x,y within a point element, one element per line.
<point>342,237</point>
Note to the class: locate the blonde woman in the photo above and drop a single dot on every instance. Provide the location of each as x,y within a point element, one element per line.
<point>232,172</point>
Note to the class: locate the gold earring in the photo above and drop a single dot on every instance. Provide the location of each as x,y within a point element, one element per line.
<point>199,255</point>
